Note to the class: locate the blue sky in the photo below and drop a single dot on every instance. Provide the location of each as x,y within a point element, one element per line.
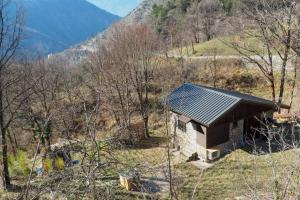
<point>118,7</point>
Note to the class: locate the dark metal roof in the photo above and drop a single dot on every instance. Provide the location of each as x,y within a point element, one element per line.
<point>205,104</point>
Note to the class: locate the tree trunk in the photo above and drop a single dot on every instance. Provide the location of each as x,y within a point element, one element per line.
<point>146,127</point>
<point>193,48</point>
<point>215,68</point>
<point>282,84</point>
<point>5,172</point>
<point>15,140</point>
<point>273,91</point>
<point>293,87</point>
<point>284,64</point>
<point>12,143</point>
<point>295,100</point>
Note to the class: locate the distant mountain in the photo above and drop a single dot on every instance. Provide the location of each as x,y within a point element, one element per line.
<point>140,15</point>
<point>118,7</point>
<point>54,25</point>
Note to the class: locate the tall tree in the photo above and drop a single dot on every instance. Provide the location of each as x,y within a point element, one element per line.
<point>46,97</point>
<point>209,12</point>
<point>127,68</point>
<point>10,37</point>
<point>109,71</point>
<point>143,45</point>
<point>295,97</point>
<point>274,30</point>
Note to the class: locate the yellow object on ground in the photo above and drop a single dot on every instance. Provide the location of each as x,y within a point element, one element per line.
<point>129,180</point>
<point>126,183</point>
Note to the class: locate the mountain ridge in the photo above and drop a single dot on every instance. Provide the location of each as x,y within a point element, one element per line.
<point>52,26</point>
<point>140,15</point>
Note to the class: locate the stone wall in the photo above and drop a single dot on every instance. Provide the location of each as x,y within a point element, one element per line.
<point>186,140</point>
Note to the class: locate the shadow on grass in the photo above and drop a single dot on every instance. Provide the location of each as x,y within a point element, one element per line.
<point>148,143</point>
<point>144,190</point>
<point>286,137</point>
<point>15,188</point>
<point>148,186</point>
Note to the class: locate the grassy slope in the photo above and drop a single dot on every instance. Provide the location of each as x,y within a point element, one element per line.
<point>229,177</point>
<point>263,90</point>
<point>225,180</point>
<point>221,46</point>
<point>222,181</point>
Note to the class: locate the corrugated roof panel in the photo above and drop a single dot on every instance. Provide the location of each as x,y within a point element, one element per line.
<point>204,104</point>
<point>245,97</point>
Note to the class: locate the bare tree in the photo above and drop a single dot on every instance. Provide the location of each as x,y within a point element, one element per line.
<point>274,32</point>
<point>209,12</point>
<point>46,97</point>
<point>282,182</point>
<point>143,45</point>
<point>193,20</point>
<point>213,67</point>
<point>295,97</point>
<point>96,176</point>
<point>109,70</point>
<point>127,68</point>
<point>10,37</point>
<point>295,85</point>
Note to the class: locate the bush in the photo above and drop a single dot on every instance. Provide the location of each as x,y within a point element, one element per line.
<point>48,165</point>
<point>59,163</point>
<point>19,164</point>
<point>131,135</point>
<point>242,80</point>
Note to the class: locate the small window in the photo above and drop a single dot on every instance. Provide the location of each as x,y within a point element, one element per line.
<point>181,126</point>
<point>199,128</point>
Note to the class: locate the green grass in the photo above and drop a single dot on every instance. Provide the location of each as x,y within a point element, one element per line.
<point>222,46</point>
<point>19,164</point>
<point>211,47</point>
<point>225,180</point>
<point>229,177</point>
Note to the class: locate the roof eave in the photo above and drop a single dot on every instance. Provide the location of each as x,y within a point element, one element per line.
<point>204,124</point>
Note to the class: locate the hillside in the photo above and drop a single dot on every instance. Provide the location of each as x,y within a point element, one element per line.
<point>141,14</point>
<point>191,23</point>
<point>181,99</point>
<point>223,18</point>
<point>220,46</point>
<point>54,25</point>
